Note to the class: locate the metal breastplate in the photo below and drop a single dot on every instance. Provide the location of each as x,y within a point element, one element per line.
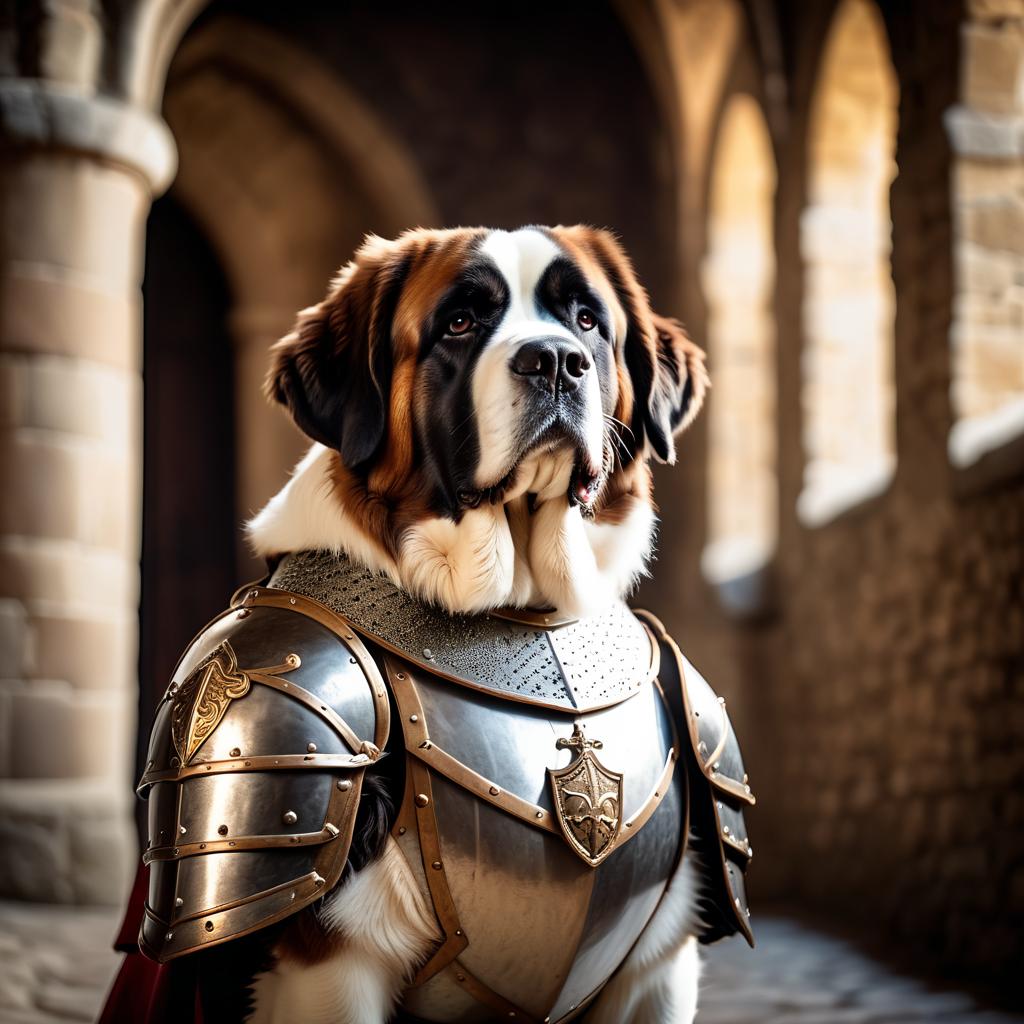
<point>543,813</point>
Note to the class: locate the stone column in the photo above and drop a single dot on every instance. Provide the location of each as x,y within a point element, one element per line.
<point>77,174</point>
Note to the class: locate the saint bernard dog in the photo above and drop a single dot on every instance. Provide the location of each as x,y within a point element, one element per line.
<point>484,405</point>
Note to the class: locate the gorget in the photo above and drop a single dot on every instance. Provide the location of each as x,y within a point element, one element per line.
<point>520,655</point>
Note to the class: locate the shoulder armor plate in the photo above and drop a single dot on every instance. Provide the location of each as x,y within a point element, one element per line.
<point>254,771</point>
<point>719,791</point>
<point>534,657</point>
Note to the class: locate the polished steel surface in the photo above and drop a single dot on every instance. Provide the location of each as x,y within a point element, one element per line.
<point>544,928</point>
<point>254,771</point>
<point>571,665</point>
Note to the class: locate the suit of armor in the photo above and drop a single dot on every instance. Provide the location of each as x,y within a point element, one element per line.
<point>554,772</point>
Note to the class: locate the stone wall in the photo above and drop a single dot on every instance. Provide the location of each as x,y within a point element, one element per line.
<point>880,695</point>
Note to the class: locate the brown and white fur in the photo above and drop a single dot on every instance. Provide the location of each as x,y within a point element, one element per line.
<point>483,406</point>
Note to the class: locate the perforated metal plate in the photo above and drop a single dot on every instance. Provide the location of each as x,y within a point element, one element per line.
<point>587,664</point>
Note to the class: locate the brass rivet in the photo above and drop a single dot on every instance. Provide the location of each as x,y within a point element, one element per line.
<point>460,977</point>
<point>401,830</point>
<point>244,613</point>
<point>414,718</point>
<point>222,830</point>
<point>248,764</point>
<point>289,817</point>
<point>208,926</point>
<point>235,752</point>
<point>422,799</point>
<point>254,593</point>
<point>401,675</point>
<point>179,902</point>
<point>436,865</point>
<point>458,931</point>
<point>494,791</point>
<point>174,852</point>
<point>291,600</point>
<point>344,785</point>
<point>629,824</point>
<point>202,846</point>
<point>311,748</point>
<point>182,829</point>
<point>540,814</point>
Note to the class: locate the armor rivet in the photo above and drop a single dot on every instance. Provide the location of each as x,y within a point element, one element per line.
<point>540,814</point>
<point>726,830</point>
<point>248,764</point>
<point>208,926</point>
<point>231,843</point>
<point>401,675</point>
<point>222,830</point>
<point>352,661</point>
<point>718,804</point>
<point>422,799</point>
<point>629,824</point>
<point>656,794</point>
<point>494,791</point>
<point>414,718</point>
<point>721,700</point>
<point>746,778</point>
<point>236,751</point>
<point>311,747</point>
<point>460,977</point>
<point>244,613</point>
<point>292,896</point>
<point>169,936</point>
<point>182,829</point>
<point>202,846</point>
<point>174,852</point>
<point>289,817</point>
<point>179,902</point>
<point>428,654</point>
<point>458,931</point>
<point>291,600</point>
<point>175,763</point>
<point>349,636</point>
<point>714,767</point>
<point>436,865</point>
<point>318,881</point>
<point>254,593</point>
<point>344,785</point>
<point>209,767</point>
<point>401,830</point>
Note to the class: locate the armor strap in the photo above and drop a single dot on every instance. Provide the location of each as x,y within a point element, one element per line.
<point>719,789</point>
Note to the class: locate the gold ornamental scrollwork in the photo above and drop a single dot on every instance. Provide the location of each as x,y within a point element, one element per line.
<point>201,701</point>
<point>588,798</point>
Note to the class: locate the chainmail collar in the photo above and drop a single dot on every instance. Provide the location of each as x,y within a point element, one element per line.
<point>579,666</point>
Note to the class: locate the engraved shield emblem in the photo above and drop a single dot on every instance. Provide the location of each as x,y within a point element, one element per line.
<point>588,798</point>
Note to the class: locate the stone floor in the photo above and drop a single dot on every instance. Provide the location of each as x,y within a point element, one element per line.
<point>56,964</point>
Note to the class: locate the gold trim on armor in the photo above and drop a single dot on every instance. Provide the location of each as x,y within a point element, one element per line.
<point>325,835</point>
<point>257,763</point>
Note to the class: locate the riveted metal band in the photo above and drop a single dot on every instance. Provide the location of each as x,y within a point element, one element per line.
<point>257,763</point>
<point>325,835</point>
<point>455,940</point>
<point>159,939</point>
<point>486,995</point>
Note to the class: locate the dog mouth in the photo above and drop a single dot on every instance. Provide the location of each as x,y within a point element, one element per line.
<point>554,439</point>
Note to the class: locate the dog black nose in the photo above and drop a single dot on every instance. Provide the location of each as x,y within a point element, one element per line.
<point>561,363</point>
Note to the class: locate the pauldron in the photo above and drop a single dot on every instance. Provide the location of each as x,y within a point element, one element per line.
<point>554,770</point>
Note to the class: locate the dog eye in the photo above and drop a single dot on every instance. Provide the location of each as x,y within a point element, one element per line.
<point>586,319</point>
<point>460,323</point>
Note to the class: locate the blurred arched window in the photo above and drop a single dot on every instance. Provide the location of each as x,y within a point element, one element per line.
<point>848,397</point>
<point>988,221</point>
<point>738,278</point>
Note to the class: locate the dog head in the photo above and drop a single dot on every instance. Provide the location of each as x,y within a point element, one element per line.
<point>488,401</point>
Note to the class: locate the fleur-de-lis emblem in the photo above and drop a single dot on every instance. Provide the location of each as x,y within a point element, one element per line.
<point>589,799</point>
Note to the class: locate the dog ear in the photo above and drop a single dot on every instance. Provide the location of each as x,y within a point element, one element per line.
<point>666,368</point>
<point>678,386</point>
<point>333,371</point>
